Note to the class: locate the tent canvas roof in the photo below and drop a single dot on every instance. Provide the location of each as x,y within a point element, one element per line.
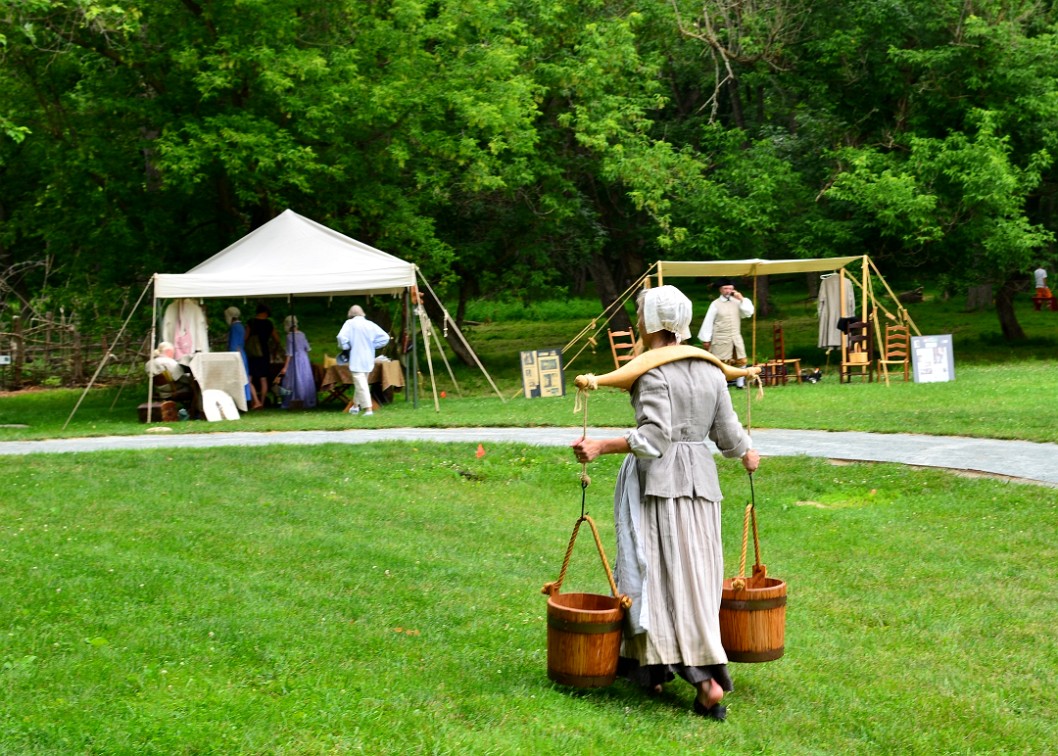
<point>755,267</point>
<point>290,255</point>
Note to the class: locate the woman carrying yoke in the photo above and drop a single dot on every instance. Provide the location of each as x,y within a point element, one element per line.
<point>667,511</point>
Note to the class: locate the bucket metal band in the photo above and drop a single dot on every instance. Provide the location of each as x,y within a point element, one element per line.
<point>583,628</point>
<point>581,681</point>
<point>753,604</point>
<point>756,656</point>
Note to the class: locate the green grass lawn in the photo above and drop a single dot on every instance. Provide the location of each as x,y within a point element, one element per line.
<point>992,401</point>
<point>386,599</point>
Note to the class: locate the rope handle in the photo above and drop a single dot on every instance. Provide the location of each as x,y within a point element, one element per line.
<point>552,588</point>
<point>739,583</point>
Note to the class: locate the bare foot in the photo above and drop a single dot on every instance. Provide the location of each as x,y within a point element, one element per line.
<point>710,694</point>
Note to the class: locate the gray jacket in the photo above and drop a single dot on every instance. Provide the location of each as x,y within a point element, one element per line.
<point>679,405</point>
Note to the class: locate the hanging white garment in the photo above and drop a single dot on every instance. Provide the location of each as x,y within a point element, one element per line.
<point>184,326</point>
<point>830,309</point>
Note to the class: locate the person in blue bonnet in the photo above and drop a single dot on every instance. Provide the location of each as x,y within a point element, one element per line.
<point>237,343</point>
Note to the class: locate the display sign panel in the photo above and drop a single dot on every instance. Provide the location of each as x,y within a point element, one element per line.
<point>542,373</point>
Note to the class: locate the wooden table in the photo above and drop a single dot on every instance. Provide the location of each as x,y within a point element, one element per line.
<point>337,380</point>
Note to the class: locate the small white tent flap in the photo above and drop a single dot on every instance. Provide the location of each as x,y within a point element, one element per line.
<point>290,255</point>
<point>754,267</point>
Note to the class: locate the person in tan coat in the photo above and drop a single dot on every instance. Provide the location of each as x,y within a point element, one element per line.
<point>721,331</point>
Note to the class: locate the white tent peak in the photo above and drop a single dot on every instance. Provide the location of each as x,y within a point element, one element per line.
<point>291,254</point>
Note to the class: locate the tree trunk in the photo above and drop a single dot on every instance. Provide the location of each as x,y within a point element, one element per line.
<point>1008,318</point>
<point>607,291</point>
<point>762,302</point>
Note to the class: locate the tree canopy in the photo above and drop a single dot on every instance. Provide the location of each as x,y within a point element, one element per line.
<point>528,146</point>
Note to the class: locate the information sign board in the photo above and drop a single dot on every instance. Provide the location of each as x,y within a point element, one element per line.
<point>932,359</point>
<point>542,373</point>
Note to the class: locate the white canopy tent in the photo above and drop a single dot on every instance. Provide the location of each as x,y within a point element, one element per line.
<point>290,255</point>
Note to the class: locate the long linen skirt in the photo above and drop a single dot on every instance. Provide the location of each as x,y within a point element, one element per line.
<point>685,574</point>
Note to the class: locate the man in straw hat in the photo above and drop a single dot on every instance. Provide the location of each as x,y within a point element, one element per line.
<point>667,511</point>
<point>721,332</point>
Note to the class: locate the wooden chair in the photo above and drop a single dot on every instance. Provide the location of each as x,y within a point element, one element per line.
<point>776,371</point>
<point>623,346</point>
<point>857,354</point>
<point>897,350</point>
<point>171,390</point>
<point>169,396</point>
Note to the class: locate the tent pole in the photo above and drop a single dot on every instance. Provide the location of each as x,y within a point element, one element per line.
<point>405,326</point>
<point>426,326</point>
<point>414,348</point>
<point>863,294</point>
<point>150,349</point>
<point>755,304</point>
<point>110,353</point>
<point>448,321</point>
<point>441,351</point>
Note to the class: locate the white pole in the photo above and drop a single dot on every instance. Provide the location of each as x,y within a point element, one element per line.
<point>110,353</point>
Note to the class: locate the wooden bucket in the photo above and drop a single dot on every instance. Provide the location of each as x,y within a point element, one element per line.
<point>584,629</point>
<point>583,639</point>
<point>753,617</point>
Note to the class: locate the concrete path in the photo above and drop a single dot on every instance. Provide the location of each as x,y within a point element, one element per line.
<point>1022,460</point>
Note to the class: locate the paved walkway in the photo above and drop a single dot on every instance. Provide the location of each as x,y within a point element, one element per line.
<point>1023,460</point>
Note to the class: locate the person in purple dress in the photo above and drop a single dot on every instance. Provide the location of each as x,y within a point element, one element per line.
<point>297,380</point>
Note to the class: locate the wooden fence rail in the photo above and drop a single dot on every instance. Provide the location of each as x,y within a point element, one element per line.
<point>46,351</point>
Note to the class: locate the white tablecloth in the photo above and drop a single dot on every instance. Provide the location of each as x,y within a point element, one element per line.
<point>223,371</point>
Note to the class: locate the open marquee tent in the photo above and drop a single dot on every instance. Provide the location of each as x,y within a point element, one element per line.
<point>290,255</point>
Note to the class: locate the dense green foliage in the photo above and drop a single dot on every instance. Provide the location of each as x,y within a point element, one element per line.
<point>528,145</point>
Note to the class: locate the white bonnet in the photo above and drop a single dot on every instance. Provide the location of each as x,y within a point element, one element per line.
<point>232,313</point>
<point>666,308</point>
<point>290,322</point>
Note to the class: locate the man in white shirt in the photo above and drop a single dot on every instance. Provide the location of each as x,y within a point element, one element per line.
<point>1041,283</point>
<point>721,332</point>
<point>361,337</point>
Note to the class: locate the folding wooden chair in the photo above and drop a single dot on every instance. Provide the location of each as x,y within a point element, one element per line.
<point>897,350</point>
<point>623,346</point>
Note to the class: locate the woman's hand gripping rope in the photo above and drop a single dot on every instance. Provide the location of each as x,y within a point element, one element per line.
<point>582,448</point>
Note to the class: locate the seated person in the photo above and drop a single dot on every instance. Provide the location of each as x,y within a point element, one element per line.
<point>177,385</point>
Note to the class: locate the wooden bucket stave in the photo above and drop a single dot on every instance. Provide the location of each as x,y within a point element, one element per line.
<point>583,639</point>
<point>753,618</point>
<point>584,629</point>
